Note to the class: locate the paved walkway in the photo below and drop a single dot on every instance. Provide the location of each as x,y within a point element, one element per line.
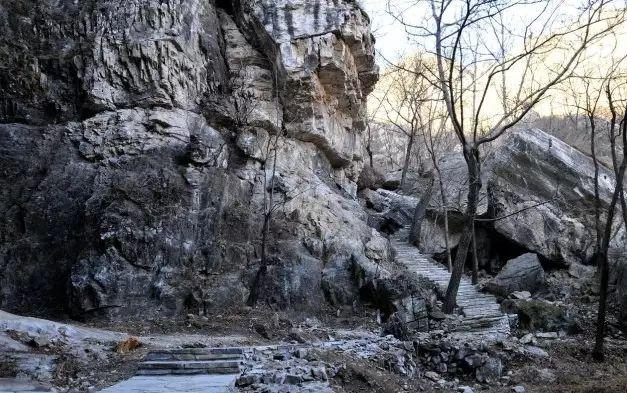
<point>202,383</point>
<point>482,314</point>
<point>13,385</point>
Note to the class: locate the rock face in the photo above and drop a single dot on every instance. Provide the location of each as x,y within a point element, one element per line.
<point>541,193</point>
<point>621,287</point>
<point>550,187</point>
<point>523,273</point>
<point>137,143</point>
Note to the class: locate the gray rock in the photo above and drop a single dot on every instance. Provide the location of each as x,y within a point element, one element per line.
<point>247,380</point>
<point>395,208</point>
<point>474,361</point>
<point>526,339</point>
<point>523,273</point>
<point>132,160</point>
<point>561,229</point>
<point>535,351</point>
<point>369,178</point>
<point>547,335</point>
<point>578,270</point>
<point>521,295</point>
<point>432,376</point>
<point>392,180</point>
<point>541,315</point>
<point>293,379</point>
<point>319,373</point>
<point>490,371</point>
<point>518,389</point>
<point>455,178</point>
<point>546,375</point>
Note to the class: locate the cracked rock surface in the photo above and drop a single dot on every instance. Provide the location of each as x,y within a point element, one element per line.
<point>134,140</point>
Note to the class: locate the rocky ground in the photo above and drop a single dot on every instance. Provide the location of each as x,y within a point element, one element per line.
<point>135,147</point>
<point>341,350</point>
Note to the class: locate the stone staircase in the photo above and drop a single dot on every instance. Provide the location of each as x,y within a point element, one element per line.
<point>190,361</point>
<point>482,316</point>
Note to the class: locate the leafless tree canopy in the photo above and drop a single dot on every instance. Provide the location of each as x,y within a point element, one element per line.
<point>494,62</point>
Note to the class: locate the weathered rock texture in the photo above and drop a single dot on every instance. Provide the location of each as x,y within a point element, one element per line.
<point>523,273</point>
<point>545,188</point>
<point>137,139</point>
<point>537,195</point>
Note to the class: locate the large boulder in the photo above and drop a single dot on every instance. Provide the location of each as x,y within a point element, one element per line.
<point>544,189</point>
<point>369,178</point>
<point>135,146</point>
<point>523,273</point>
<point>395,209</point>
<point>454,171</point>
<point>541,315</point>
<point>539,190</point>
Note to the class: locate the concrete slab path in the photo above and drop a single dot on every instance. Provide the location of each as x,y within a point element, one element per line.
<point>202,383</point>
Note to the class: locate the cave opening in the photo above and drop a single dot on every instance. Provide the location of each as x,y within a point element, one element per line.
<point>493,250</point>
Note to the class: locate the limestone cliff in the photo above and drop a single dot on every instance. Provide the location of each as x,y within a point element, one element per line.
<point>137,138</point>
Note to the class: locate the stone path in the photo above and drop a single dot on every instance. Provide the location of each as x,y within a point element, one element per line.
<point>482,316</point>
<point>191,370</point>
<point>204,383</point>
<point>12,385</point>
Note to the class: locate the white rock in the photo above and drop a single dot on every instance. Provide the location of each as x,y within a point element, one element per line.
<point>521,295</point>
<point>432,376</point>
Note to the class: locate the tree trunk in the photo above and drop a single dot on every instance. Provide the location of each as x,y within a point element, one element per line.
<point>369,147</point>
<point>268,202</point>
<point>449,261</point>
<point>445,208</point>
<point>598,352</point>
<point>475,259</point>
<point>419,214</point>
<point>410,143</point>
<point>597,198</point>
<point>471,154</point>
<point>263,269</point>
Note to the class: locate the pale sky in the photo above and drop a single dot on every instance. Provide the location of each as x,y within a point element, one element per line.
<point>394,43</point>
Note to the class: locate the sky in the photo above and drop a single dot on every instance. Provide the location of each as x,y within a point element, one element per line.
<point>392,41</point>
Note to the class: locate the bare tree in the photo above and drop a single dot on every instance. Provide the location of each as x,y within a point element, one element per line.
<point>437,140</point>
<point>404,103</point>
<point>598,92</point>
<point>244,105</point>
<point>458,34</point>
<point>602,251</point>
<point>420,212</point>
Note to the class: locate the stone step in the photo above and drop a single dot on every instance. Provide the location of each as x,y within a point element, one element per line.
<point>187,368</point>
<point>411,262</point>
<point>481,312</point>
<point>215,350</point>
<point>228,370</point>
<point>188,364</point>
<point>191,356</point>
<point>472,303</point>
<point>481,320</point>
<point>473,306</point>
<point>480,315</point>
